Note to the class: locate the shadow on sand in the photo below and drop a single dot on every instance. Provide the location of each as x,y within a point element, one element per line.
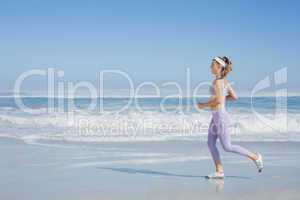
<point>159,173</point>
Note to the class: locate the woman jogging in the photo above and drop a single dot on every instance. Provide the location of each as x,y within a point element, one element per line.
<point>219,125</point>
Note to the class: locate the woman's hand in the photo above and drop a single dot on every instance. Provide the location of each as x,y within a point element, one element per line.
<point>201,105</point>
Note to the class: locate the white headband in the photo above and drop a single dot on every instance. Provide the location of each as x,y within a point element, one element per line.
<point>220,61</point>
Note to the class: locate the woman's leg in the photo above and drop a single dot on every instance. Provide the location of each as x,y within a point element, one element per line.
<point>211,142</point>
<point>225,140</point>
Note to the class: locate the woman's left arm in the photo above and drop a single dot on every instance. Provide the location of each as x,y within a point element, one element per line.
<point>232,94</point>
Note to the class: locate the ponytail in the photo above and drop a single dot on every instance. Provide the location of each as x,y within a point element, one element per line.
<point>227,68</point>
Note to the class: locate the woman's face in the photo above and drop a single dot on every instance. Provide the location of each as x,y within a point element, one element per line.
<point>215,68</point>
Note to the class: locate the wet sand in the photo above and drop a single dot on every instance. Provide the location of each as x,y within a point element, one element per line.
<point>143,170</point>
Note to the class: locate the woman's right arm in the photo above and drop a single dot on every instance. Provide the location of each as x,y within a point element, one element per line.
<point>214,100</point>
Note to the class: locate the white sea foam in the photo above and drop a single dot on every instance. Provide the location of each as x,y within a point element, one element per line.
<point>243,121</point>
<point>83,125</point>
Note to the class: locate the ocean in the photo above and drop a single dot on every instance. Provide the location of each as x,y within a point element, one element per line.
<point>47,121</point>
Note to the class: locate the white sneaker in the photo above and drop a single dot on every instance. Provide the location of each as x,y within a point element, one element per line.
<point>216,175</point>
<point>259,162</point>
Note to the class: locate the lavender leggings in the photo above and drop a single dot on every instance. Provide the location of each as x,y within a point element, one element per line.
<point>218,128</point>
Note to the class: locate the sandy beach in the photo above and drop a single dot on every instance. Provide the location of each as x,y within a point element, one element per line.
<point>143,170</point>
<point>117,100</point>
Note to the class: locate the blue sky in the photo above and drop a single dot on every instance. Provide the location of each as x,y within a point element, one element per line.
<point>150,40</point>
